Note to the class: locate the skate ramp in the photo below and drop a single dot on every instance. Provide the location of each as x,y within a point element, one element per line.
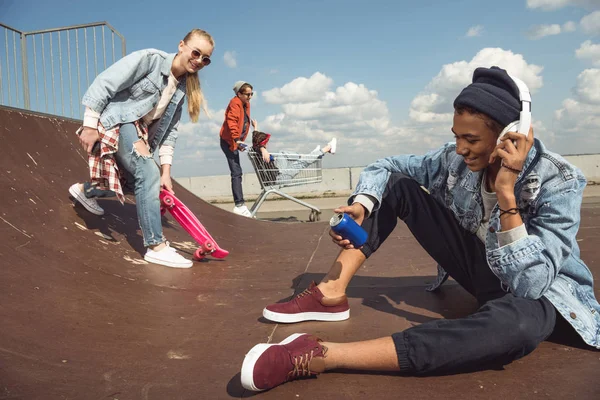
<point>84,317</point>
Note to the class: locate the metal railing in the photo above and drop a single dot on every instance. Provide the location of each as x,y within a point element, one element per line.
<point>43,70</point>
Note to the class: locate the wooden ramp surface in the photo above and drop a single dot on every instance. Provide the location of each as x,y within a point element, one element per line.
<point>82,316</point>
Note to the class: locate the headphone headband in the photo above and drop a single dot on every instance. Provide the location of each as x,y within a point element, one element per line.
<point>525,114</point>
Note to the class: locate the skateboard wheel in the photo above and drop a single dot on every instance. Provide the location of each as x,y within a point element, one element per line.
<point>168,201</point>
<point>199,254</point>
<point>207,247</point>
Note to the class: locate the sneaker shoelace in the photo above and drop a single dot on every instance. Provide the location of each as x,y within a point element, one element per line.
<point>306,291</point>
<point>301,366</point>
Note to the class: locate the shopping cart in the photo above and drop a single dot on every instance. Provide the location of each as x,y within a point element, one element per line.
<point>286,170</point>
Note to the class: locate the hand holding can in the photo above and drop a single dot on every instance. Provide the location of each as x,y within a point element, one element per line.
<point>346,227</point>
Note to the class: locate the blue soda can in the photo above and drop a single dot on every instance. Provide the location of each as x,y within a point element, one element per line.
<point>346,227</point>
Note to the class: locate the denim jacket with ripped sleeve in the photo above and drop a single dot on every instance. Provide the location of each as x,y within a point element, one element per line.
<point>545,262</point>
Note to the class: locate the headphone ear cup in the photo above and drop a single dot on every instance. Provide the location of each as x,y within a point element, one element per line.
<point>512,127</point>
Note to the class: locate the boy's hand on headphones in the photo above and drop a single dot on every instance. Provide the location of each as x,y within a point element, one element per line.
<point>512,150</point>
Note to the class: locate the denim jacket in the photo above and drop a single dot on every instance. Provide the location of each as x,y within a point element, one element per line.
<point>549,192</point>
<point>131,88</point>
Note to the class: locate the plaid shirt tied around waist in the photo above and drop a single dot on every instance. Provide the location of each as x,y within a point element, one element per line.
<point>104,171</point>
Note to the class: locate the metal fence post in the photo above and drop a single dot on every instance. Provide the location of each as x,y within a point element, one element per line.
<point>9,49</point>
<point>25,74</point>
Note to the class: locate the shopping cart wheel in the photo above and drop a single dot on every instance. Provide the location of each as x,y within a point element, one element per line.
<point>314,216</point>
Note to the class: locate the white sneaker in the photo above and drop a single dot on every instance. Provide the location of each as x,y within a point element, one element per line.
<point>90,204</point>
<point>169,257</point>
<point>242,210</point>
<point>333,144</point>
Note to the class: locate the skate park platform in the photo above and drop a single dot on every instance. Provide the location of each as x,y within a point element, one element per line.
<point>84,317</point>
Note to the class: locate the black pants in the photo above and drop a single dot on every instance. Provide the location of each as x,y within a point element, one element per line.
<point>503,329</point>
<point>233,160</point>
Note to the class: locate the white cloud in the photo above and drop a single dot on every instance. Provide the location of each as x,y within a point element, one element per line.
<point>549,5</point>
<point>588,86</point>
<point>299,90</point>
<point>312,110</point>
<point>474,31</point>
<point>434,104</point>
<point>589,51</point>
<point>578,120</point>
<point>569,26</point>
<point>540,31</point>
<point>230,59</point>
<point>591,23</point>
<point>197,151</point>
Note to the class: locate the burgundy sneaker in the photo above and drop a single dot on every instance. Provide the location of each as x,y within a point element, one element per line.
<point>310,305</point>
<point>269,365</point>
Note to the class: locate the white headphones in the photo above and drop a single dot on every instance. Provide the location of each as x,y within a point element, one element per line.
<point>524,122</point>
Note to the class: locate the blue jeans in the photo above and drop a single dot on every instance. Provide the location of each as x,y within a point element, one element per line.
<point>291,164</point>
<point>233,160</point>
<point>146,179</point>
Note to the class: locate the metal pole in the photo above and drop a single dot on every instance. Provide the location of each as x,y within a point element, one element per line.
<point>95,54</point>
<point>70,77</point>
<point>62,92</point>
<point>104,46</point>
<point>26,102</point>
<point>44,73</point>
<point>7,68</point>
<point>16,70</point>
<point>35,75</point>
<point>113,47</point>
<point>78,71</point>
<point>118,34</point>
<point>87,63</point>
<point>52,75</point>
<point>63,28</point>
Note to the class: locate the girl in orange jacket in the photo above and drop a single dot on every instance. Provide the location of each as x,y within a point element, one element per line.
<point>233,133</point>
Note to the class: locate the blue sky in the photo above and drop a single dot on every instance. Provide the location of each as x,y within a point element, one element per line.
<point>379,75</point>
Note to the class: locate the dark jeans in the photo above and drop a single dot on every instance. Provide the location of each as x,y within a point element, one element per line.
<point>502,330</point>
<point>233,160</point>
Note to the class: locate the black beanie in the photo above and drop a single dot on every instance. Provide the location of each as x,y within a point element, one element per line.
<point>492,93</point>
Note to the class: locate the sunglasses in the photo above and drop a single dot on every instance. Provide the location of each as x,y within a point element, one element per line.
<point>205,60</point>
<point>248,94</point>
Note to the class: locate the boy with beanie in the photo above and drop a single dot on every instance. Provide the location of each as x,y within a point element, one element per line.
<point>500,215</point>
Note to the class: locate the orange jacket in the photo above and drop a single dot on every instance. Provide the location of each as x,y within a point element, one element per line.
<point>231,131</point>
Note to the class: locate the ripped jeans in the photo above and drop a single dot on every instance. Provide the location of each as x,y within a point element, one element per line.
<point>145,174</point>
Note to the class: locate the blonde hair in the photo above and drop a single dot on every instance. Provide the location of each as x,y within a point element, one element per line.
<point>195,98</point>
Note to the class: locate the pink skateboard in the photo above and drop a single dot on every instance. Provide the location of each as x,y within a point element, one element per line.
<point>189,222</point>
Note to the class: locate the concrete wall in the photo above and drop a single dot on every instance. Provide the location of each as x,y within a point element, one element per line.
<point>590,165</point>
<point>336,182</point>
